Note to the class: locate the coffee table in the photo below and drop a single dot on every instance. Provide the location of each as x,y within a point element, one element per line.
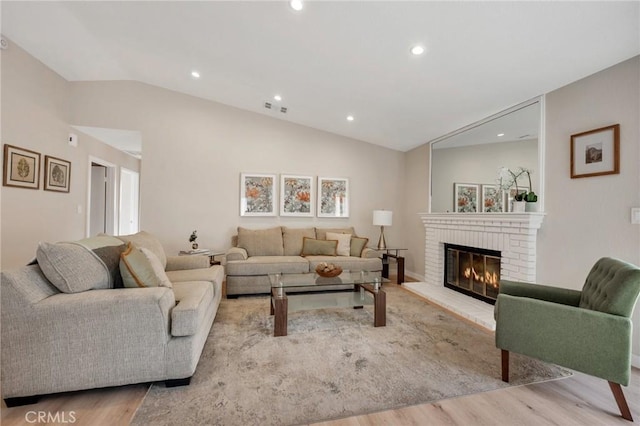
<point>300,292</point>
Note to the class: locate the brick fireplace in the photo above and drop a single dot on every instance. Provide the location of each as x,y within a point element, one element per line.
<point>514,235</point>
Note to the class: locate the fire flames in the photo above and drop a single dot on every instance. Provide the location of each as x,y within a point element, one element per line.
<point>488,278</point>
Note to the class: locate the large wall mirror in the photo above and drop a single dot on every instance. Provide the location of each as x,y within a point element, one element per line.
<point>471,157</point>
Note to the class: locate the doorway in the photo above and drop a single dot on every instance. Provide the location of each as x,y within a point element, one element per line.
<point>129,201</point>
<point>101,201</point>
<point>98,209</point>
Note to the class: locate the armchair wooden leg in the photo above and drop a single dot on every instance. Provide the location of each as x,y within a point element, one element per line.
<point>505,365</point>
<point>621,401</point>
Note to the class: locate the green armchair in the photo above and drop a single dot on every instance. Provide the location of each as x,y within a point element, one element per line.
<point>587,331</point>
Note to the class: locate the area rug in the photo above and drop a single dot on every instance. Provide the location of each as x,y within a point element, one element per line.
<point>333,363</point>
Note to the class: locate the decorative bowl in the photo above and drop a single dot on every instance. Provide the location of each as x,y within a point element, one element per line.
<point>328,270</point>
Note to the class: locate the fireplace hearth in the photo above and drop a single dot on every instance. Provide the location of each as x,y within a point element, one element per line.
<point>472,271</point>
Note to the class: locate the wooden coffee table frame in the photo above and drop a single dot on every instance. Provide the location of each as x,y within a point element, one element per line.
<point>280,304</point>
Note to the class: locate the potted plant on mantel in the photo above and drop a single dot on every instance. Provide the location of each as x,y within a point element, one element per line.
<point>522,201</point>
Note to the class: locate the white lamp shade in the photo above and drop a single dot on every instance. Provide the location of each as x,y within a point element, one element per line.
<point>382,217</point>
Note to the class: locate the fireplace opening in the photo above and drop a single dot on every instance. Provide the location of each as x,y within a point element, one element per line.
<point>472,271</point>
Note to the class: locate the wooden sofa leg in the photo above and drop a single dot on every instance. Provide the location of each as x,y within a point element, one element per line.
<point>177,382</point>
<point>505,365</point>
<point>621,401</point>
<point>22,400</point>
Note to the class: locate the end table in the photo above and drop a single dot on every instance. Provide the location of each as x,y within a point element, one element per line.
<point>204,252</point>
<point>393,253</point>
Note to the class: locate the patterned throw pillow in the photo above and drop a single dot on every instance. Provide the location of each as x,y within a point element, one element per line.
<point>313,247</point>
<point>344,243</point>
<point>140,267</point>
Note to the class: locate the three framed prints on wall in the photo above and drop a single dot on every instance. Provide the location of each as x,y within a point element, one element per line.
<point>298,196</point>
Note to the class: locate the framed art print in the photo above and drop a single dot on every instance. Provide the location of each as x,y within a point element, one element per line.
<point>21,167</point>
<point>257,194</point>
<point>333,197</point>
<point>465,197</point>
<point>596,152</point>
<point>57,174</point>
<point>493,199</point>
<point>296,195</point>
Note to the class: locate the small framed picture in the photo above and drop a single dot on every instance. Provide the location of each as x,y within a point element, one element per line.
<point>297,195</point>
<point>21,167</point>
<point>333,197</point>
<point>57,174</point>
<point>493,199</point>
<point>465,197</point>
<point>596,152</point>
<point>257,194</point>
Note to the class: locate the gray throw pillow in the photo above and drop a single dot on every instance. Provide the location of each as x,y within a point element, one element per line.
<point>83,265</point>
<point>358,245</point>
<point>313,247</point>
<point>261,242</point>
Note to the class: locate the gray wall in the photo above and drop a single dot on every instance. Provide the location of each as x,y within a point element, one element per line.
<point>478,164</point>
<point>194,151</point>
<point>590,217</point>
<point>586,218</point>
<point>36,116</point>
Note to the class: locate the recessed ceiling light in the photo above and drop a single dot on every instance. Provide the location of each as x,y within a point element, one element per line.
<point>500,135</point>
<point>195,74</point>
<point>277,98</point>
<point>350,118</point>
<point>417,50</point>
<point>296,5</point>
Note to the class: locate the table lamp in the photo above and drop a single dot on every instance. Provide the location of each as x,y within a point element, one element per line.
<point>382,218</point>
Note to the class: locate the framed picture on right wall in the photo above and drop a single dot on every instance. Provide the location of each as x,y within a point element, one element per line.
<point>596,152</point>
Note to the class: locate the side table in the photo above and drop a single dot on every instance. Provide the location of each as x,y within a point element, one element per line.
<point>393,253</point>
<point>204,252</point>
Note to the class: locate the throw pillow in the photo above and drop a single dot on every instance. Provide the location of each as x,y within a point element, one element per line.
<point>293,239</point>
<point>358,245</point>
<point>91,263</point>
<point>313,247</point>
<point>344,243</point>
<point>142,268</point>
<point>148,241</point>
<point>261,242</point>
<point>321,233</point>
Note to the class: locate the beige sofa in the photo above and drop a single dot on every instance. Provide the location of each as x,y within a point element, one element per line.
<point>260,252</point>
<point>91,335</point>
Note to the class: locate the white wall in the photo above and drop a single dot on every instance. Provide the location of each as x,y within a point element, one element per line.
<point>194,151</point>
<point>35,115</point>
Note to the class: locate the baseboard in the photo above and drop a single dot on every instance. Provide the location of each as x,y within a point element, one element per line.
<point>635,360</point>
<point>415,276</point>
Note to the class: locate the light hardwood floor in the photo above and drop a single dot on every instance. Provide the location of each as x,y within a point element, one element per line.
<point>577,400</point>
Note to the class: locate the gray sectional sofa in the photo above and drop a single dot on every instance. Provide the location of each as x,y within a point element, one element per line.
<point>68,329</point>
<point>260,252</point>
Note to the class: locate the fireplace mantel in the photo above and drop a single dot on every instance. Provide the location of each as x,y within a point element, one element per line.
<point>513,234</point>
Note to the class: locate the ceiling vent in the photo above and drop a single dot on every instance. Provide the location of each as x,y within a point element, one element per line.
<point>274,108</point>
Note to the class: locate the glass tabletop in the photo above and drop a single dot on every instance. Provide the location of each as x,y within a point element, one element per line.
<point>313,279</point>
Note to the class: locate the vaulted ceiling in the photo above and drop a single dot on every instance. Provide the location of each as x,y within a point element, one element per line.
<point>334,59</point>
